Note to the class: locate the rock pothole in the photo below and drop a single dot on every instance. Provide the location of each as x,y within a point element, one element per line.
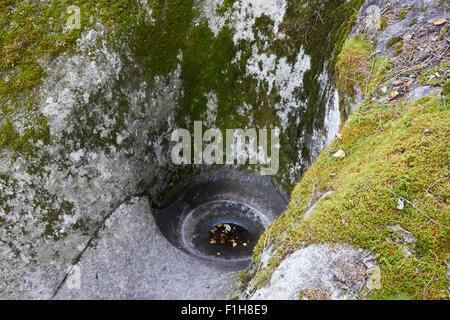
<point>219,216</point>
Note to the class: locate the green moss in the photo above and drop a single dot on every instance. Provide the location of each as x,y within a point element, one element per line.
<point>388,156</point>
<point>383,23</point>
<point>52,212</point>
<point>397,160</point>
<point>356,69</point>
<point>33,34</point>
<point>413,22</point>
<point>398,49</point>
<point>393,41</point>
<point>36,33</point>
<point>443,32</point>
<point>446,88</point>
<point>160,42</point>
<point>207,62</point>
<point>37,130</point>
<point>227,4</point>
<point>243,277</point>
<point>324,32</point>
<point>436,76</point>
<point>403,12</point>
<point>207,67</point>
<point>302,294</point>
<point>352,64</point>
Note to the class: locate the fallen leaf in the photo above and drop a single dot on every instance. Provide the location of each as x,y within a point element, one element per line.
<point>408,83</point>
<point>439,21</point>
<point>393,94</point>
<point>339,154</point>
<point>407,37</point>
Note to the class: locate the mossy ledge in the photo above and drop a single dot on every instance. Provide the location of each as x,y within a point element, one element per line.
<point>395,148</point>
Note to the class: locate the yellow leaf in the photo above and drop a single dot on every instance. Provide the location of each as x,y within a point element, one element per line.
<point>393,94</point>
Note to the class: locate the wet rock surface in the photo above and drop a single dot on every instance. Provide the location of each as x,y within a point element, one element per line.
<point>216,197</point>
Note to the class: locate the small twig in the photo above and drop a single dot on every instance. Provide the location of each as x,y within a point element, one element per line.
<point>318,13</point>
<point>432,277</point>
<point>312,194</point>
<point>367,254</point>
<point>432,185</point>
<point>346,72</point>
<point>364,187</point>
<point>369,78</point>
<point>373,54</point>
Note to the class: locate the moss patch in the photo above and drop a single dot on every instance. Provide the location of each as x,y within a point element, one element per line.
<point>390,157</point>
<point>396,151</point>
<point>32,34</point>
<point>357,67</point>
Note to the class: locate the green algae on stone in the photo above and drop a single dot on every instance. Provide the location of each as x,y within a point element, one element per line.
<point>33,34</point>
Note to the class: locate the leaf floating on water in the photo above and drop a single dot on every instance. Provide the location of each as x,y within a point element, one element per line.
<point>226,235</point>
